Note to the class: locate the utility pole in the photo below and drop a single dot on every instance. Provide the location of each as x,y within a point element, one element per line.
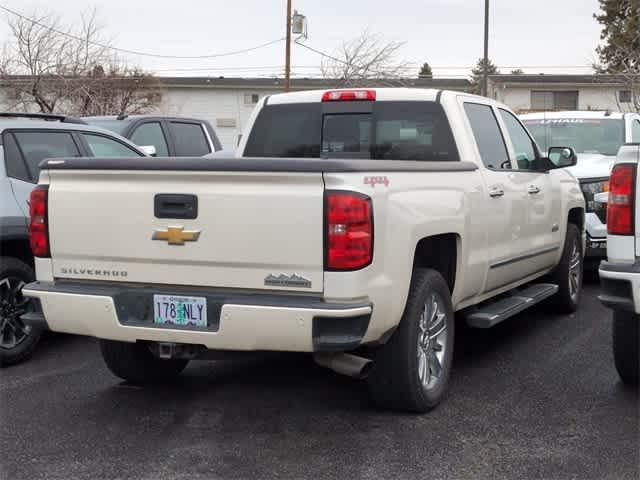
<point>485,73</point>
<point>287,60</point>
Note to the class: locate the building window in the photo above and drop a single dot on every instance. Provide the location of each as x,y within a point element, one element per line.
<point>251,98</point>
<point>624,96</point>
<point>554,100</point>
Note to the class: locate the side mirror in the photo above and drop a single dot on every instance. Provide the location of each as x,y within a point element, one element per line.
<point>562,157</point>
<point>150,150</point>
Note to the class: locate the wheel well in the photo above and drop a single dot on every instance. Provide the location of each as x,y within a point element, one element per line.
<point>440,253</point>
<point>18,248</point>
<point>576,216</point>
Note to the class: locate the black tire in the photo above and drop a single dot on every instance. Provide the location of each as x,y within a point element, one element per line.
<point>626,337</point>
<point>566,301</point>
<point>135,363</point>
<point>395,380</point>
<point>17,340</point>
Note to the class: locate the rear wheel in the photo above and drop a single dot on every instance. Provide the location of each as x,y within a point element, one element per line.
<point>411,371</point>
<point>626,337</point>
<point>135,362</point>
<point>17,339</point>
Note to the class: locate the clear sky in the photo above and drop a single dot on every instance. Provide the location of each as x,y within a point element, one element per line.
<point>446,33</point>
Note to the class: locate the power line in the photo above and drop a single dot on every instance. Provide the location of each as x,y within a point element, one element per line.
<point>136,52</point>
<point>320,52</point>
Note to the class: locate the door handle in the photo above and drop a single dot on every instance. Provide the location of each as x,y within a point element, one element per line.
<point>532,189</point>
<point>495,192</point>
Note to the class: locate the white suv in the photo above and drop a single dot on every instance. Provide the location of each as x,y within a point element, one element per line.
<point>620,274</point>
<point>596,137</point>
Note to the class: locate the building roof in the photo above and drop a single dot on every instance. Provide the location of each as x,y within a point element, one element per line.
<point>573,80</point>
<point>311,83</point>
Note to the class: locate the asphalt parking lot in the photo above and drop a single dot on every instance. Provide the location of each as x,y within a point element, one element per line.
<point>536,397</point>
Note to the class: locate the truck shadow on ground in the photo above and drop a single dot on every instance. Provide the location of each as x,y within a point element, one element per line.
<point>295,382</point>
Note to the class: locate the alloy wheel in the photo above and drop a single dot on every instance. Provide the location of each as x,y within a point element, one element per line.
<point>575,271</point>
<point>13,330</point>
<point>432,342</point>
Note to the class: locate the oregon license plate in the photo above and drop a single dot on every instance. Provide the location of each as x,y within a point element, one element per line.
<point>179,310</point>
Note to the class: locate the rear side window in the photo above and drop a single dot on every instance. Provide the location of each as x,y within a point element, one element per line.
<point>189,139</point>
<point>106,147</point>
<point>36,146</point>
<point>391,131</point>
<point>16,168</point>
<point>493,150</point>
<point>151,134</point>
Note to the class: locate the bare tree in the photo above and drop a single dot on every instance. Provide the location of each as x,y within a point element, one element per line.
<point>50,67</point>
<point>365,59</point>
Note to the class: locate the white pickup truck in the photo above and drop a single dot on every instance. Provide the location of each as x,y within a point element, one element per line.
<point>620,274</point>
<point>350,221</point>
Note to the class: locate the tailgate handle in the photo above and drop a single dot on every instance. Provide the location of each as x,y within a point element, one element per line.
<point>175,205</point>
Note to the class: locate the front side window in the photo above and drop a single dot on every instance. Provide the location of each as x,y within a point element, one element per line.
<point>522,143</point>
<point>189,139</point>
<point>585,135</point>
<point>390,131</point>
<point>486,131</point>
<point>39,145</point>
<point>106,147</point>
<point>150,133</point>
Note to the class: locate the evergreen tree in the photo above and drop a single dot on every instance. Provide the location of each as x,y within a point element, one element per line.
<point>425,71</point>
<point>620,49</point>
<point>478,72</point>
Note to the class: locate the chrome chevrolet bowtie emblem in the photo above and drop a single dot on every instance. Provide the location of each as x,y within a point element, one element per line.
<point>176,235</point>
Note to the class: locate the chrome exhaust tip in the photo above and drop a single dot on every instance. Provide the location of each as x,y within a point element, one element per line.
<point>345,364</point>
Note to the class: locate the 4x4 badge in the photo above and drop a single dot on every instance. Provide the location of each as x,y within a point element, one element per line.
<point>176,235</point>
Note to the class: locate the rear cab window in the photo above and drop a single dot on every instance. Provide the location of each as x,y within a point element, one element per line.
<point>386,130</point>
<point>24,150</point>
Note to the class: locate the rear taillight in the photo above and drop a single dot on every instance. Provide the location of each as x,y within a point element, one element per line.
<point>620,207</point>
<point>348,95</point>
<point>349,231</point>
<point>38,228</point>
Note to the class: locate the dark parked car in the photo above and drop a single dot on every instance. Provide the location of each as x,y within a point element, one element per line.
<point>170,136</point>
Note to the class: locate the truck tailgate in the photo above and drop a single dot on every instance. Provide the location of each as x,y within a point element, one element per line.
<point>253,230</point>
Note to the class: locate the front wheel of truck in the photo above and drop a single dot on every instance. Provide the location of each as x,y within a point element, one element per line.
<point>568,274</point>
<point>626,351</point>
<point>135,363</point>
<point>411,371</point>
